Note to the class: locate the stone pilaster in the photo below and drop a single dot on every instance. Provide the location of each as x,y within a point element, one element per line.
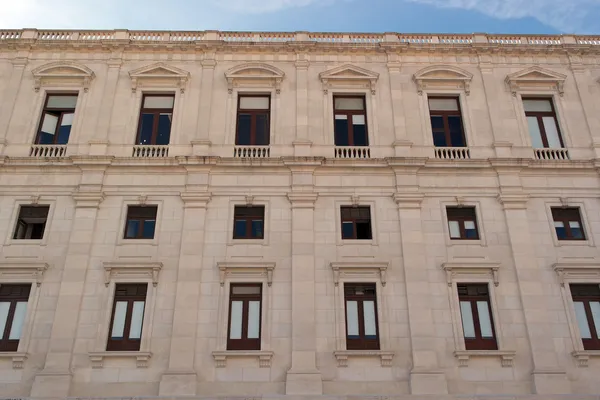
<point>302,143</point>
<point>9,96</point>
<point>501,142</point>
<point>204,111</point>
<point>584,82</point>
<point>104,114</point>
<point>401,144</point>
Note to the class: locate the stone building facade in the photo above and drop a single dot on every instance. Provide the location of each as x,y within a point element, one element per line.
<point>304,214</point>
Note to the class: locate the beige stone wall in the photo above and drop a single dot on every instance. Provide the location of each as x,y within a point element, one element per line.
<point>406,183</point>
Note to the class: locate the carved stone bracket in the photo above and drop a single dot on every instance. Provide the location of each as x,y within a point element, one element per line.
<point>23,270</point>
<point>583,357</point>
<point>469,268</point>
<point>250,270</point>
<point>341,356</point>
<point>506,356</point>
<point>17,358</point>
<point>577,270</point>
<point>264,357</point>
<point>366,270</point>
<point>141,357</point>
<point>132,269</point>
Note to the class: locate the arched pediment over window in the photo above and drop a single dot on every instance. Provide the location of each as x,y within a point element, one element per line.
<point>254,75</point>
<point>535,78</point>
<point>349,76</point>
<point>443,77</point>
<point>159,74</point>
<point>64,73</point>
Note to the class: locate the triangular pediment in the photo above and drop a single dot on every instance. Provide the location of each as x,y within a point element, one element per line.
<point>159,74</point>
<point>254,75</point>
<point>348,71</point>
<point>63,72</point>
<point>535,78</point>
<point>443,77</point>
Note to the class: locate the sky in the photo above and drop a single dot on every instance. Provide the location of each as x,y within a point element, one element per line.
<point>406,16</point>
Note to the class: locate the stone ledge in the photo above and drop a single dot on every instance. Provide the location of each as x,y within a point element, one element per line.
<point>141,357</point>
<point>506,356</point>
<point>583,356</point>
<point>342,356</point>
<point>264,357</point>
<point>18,358</point>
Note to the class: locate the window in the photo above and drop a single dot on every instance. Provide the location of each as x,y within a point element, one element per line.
<point>31,222</point>
<point>567,223</point>
<point>248,222</point>
<point>141,222</point>
<point>446,122</point>
<point>350,121</point>
<point>356,222</point>
<point>586,300</point>
<point>476,315</point>
<point>253,120</point>
<point>361,316</point>
<point>127,317</point>
<point>244,316</point>
<point>156,116</point>
<point>57,119</point>
<point>542,123</point>
<point>462,223</point>
<point>13,308</point>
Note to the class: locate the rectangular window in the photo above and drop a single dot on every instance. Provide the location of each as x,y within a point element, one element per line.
<point>127,317</point>
<point>586,300</point>
<point>462,223</point>
<point>446,122</point>
<point>248,222</point>
<point>567,223</point>
<point>156,116</point>
<point>476,315</point>
<point>356,222</point>
<point>542,123</point>
<point>141,222</point>
<point>253,120</point>
<point>244,316</point>
<point>362,332</point>
<point>13,308</point>
<point>31,222</point>
<point>57,119</point>
<point>350,121</point>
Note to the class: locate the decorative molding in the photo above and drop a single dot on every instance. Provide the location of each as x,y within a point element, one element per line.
<point>87,199</point>
<point>132,269</point>
<point>582,357</point>
<point>141,357</point>
<point>443,77</point>
<point>363,270</point>
<point>17,358</point>
<point>249,200</point>
<point>355,200</point>
<point>342,356</point>
<point>408,200</point>
<point>195,199</point>
<point>62,72</point>
<point>349,76</point>
<point>513,201</point>
<point>577,270</point>
<point>303,200</point>
<point>535,78</point>
<point>254,269</point>
<point>506,356</point>
<point>254,74</point>
<point>471,269</point>
<point>23,270</point>
<point>159,74</point>
<point>264,357</point>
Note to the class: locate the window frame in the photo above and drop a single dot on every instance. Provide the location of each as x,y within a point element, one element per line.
<point>139,234</point>
<point>539,116</point>
<point>361,343</point>
<point>127,344</point>
<point>253,113</point>
<point>592,344</point>
<point>567,227</point>
<point>445,114</point>
<point>19,219</point>
<point>156,112</point>
<point>354,222</point>
<point>7,344</point>
<point>461,219</point>
<point>245,344</point>
<point>248,219</point>
<point>349,114</point>
<point>479,342</point>
<point>61,111</point>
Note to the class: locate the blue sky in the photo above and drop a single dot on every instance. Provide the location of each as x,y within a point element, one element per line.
<point>452,16</point>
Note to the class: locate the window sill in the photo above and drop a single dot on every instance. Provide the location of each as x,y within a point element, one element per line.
<point>141,357</point>
<point>567,242</point>
<point>506,356</point>
<point>583,356</point>
<point>264,357</point>
<point>342,356</point>
<point>355,242</point>
<point>26,242</point>
<point>261,242</point>
<point>18,358</point>
<point>132,242</point>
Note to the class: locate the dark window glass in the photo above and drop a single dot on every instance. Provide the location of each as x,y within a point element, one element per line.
<point>141,222</point>
<point>567,223</point>
<point>248,222</point>
<point>253,119</point>
<point>462,223</point>
<point>57,119</point>
<point>476,315</point>
<point>31,222</point>
<point>446,122</point>
<point>156,114</point>
<point>356,222</point>
<point>13,309</point>
<point>586,301</point>
<point>350,121</point>
<point>362,332</point>
<point>127,317</point>
<point>542,123</point>
<point>244,317</point>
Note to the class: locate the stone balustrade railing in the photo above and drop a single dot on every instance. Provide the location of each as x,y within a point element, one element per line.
<point>283,37</point>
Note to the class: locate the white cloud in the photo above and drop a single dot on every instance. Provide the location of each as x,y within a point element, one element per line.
<point>564,15</point>
<point>260,6</point>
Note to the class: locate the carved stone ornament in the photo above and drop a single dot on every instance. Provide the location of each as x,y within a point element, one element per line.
<point>443,77</point>
<point>578,270</point>
<point>535,79</point>
<point>132,270</point>
<point>363,270</point>
<point>23,270</point>
<point>349,76</point>
<point>471,269</point>
<point>63,73</point>
<point>159,75</point>
<point>254,75</point>
<point>248,270</point>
